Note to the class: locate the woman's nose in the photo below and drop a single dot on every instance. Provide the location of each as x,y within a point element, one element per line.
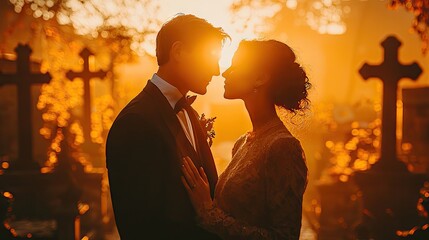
<point>224,74</point>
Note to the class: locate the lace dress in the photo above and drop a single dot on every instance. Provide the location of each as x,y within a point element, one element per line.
<point>259,195</point>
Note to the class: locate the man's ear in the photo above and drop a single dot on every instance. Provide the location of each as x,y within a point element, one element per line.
<point>176,52</point>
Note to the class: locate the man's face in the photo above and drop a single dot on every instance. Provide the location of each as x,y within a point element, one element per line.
<point>199,64</point>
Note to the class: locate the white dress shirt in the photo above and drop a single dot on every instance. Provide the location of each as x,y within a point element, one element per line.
<point>173,95</point>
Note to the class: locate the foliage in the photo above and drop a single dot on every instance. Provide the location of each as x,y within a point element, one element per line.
<point>420,9</point>
<point>116,30</point>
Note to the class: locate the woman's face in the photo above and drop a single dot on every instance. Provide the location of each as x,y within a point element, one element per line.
<point>241,76</point>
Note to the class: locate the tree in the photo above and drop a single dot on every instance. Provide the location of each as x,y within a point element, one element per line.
<point>420,9</point>
<point>123,29</point>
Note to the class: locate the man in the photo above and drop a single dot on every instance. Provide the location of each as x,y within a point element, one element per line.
<point>153,133</point>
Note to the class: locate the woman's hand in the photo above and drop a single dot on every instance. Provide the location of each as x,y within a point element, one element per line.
<point>197,185</point>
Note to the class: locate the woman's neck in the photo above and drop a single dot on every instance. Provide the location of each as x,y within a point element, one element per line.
<point>260,112</point>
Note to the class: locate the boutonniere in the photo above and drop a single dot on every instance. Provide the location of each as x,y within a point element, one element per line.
<point>206,123</point>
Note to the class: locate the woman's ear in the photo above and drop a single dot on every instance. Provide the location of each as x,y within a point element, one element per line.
<point>262,80</point>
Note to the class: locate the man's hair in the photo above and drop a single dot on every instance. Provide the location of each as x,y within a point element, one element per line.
<point>187,28</point>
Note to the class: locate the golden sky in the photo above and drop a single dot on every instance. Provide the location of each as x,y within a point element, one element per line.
<point>332,61</point>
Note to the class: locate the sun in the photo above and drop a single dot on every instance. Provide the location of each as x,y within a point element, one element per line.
<point>226,54</point>
<point>219,14</point>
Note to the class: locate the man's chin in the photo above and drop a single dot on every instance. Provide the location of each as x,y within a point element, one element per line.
<point>202,91</point>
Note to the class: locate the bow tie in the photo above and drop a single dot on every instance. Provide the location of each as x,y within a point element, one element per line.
<point>184,103</point>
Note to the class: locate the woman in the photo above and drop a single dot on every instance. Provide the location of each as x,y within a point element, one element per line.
<point>259,195</point>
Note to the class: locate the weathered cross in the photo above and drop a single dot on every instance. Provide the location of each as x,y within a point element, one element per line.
<point>86,75</point>
<point>391,71</point>
<point>23,79</point>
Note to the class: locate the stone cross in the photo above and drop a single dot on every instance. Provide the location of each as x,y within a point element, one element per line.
<point>24,79</point>
<point>390,71</point>
<point>86,75</point>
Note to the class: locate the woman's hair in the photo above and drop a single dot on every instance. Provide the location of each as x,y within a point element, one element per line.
<point>289,82</point>
<point>185,27</point>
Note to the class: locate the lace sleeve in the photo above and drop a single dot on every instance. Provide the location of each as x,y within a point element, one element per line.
<point>217,221</point>
<point>238,144</point>
<point>286,180</point>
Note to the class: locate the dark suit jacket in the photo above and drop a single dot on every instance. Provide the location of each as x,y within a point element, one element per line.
<point>144,153</point>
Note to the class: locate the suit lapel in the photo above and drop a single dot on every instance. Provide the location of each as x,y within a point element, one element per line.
<point>203,156</point>
<point>204,151</point>
<point>172,123</point>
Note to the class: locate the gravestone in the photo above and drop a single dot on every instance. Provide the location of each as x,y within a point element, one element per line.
<point>51,197</point>
<point>416,127</point>
<point>93,193</point>
<point>24,79</point>
<point>390,191</point>
<point>86,75</point>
